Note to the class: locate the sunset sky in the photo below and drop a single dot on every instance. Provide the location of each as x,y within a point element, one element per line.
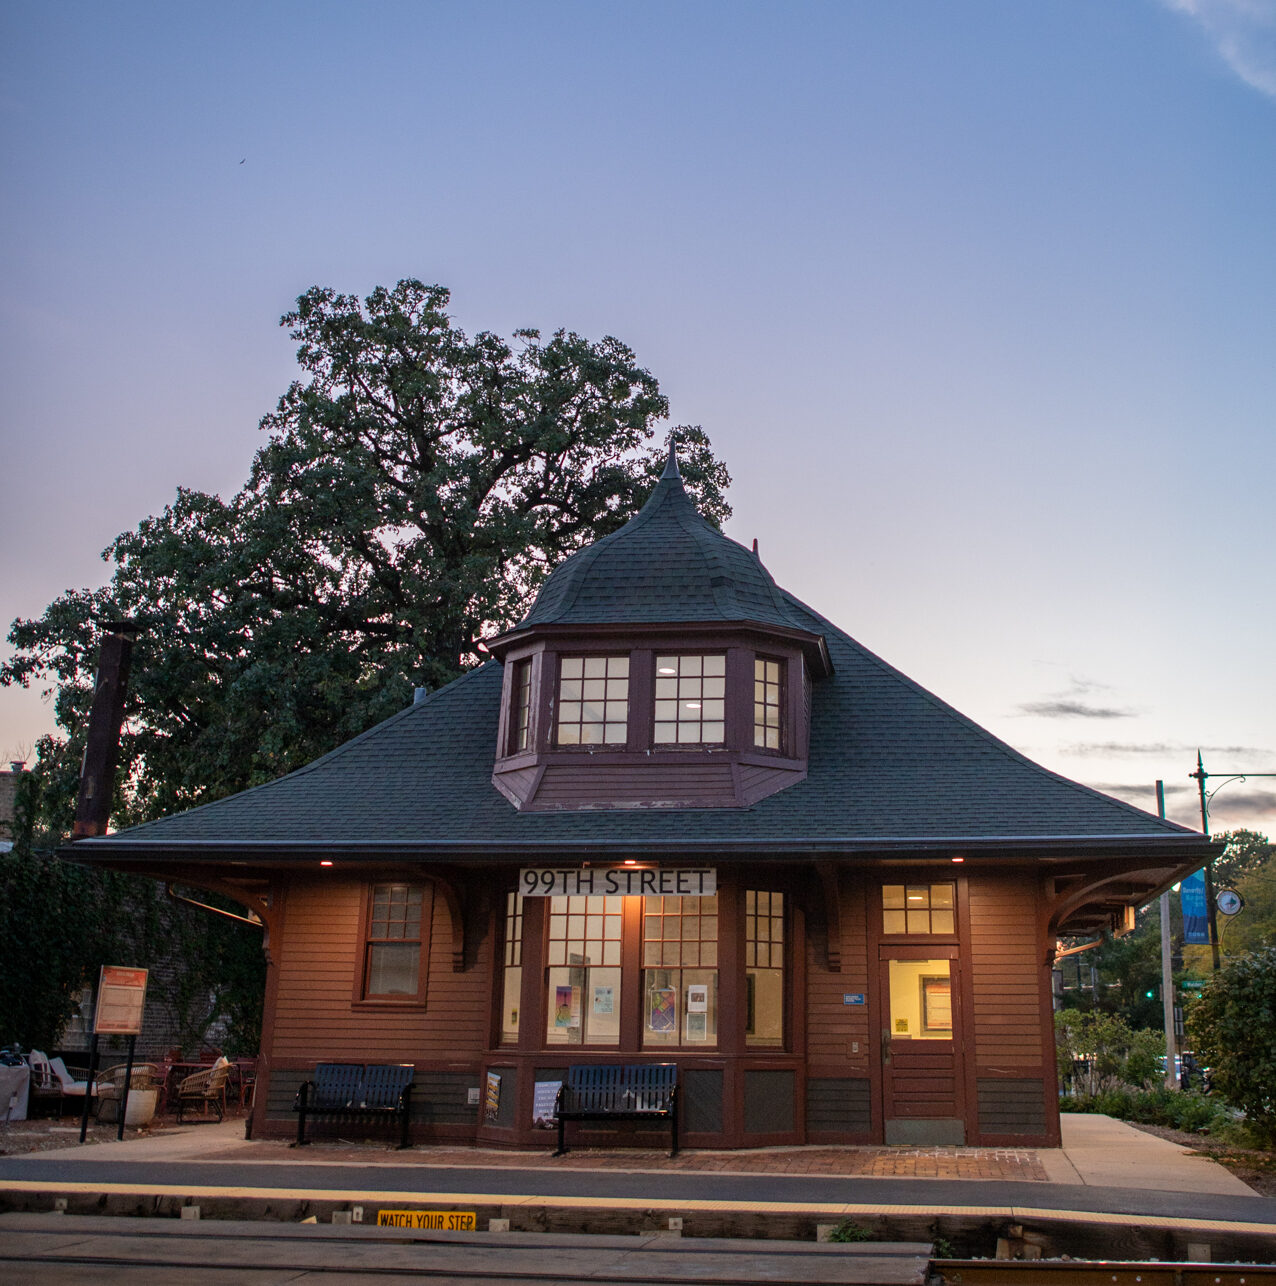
<point>977,301</point>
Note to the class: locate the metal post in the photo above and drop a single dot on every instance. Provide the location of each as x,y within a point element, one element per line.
<point>88,1088</point>
<point>1167,969</point>
<point>1211,910</point>
<point>128,1078</point>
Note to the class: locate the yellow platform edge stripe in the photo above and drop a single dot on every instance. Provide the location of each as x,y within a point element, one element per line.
<point>833,1209</point>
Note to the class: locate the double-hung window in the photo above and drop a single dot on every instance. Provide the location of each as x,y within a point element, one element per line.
<point>396,933</point>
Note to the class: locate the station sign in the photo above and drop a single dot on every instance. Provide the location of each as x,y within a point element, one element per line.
<point>121,999</point>
<point>617,881</point>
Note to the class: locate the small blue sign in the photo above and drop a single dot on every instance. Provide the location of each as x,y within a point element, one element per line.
<point>852,998</point>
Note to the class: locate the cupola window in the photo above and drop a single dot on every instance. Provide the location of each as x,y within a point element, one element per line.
<point>521,706</point>
<point>768,697</point>
<point>690,700</point>
<point>593,700</point>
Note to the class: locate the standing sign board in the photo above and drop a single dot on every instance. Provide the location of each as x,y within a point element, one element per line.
<point>121,997</point>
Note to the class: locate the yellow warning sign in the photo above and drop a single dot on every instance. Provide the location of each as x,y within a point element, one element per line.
<point>431,1220</point>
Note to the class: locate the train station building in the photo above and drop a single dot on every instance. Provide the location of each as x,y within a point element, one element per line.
<point>680,817</point>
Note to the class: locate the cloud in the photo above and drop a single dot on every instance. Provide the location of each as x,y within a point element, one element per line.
<point>1139,789</point>
<point>1069,709</point>
<point>1258,801</point>
<point>1243,32</point>
<point>1116,749</point>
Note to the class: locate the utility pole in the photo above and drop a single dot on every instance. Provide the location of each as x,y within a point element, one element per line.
<point>1200,776</point>
<point>1167,970</point>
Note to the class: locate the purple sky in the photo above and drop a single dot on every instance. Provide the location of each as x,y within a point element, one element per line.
<point>976,301</point>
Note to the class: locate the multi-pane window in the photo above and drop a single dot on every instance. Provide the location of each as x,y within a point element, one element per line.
<point>521,705</point>
<point>393,960</point>
<point>593,700</point>
<point>584,970</point>
<point>680,970</point>
<point>512,985</point>
<point>918,908</point>
<point>764,968</point>
<point>690,700</point>
<point>767,703</point>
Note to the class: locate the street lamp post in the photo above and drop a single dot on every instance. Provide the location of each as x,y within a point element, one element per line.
<point>1200,776</point>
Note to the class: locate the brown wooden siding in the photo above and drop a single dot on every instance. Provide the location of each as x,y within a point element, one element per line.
<point>320,959</point>
<point>834,1028</point>
<point>1005,968</point>
<point>839,1105</point>
<point>580,784</point>
<point>1011,1106</point>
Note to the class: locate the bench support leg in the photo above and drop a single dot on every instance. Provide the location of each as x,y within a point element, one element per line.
<point>673,1125</point>
<point>562,1146</point>
<point>302,1097</point>
<point>406,1118</point>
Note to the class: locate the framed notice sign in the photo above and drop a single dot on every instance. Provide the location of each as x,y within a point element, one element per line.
<point>121,997</point>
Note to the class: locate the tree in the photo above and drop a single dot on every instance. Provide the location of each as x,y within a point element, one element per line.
<point>416,487</point>
<point>1245,853</point>
<point>1233,1026</point>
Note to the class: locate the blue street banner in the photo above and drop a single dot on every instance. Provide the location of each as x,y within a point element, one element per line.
<point>1196,918</point>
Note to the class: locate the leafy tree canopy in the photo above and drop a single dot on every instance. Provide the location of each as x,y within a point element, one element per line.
<point>416,487</point>
<point>1233,1025</point>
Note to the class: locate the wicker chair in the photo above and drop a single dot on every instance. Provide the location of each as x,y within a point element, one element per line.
<point>205,1090</point>
<point>109,1086</point>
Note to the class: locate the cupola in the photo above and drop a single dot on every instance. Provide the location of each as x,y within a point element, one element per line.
<point>659,667</point>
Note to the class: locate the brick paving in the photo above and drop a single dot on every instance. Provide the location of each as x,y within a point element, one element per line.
<point>851,1162</point>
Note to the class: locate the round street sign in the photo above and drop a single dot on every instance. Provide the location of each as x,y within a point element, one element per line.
<point>1229,901</point>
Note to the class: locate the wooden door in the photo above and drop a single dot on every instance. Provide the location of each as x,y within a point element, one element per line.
<point>921,1049</point>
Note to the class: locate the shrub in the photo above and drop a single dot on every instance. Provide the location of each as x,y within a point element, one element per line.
<point>1174,1109</point>
<point>1233,1026</point>
<point>1098,1051</point>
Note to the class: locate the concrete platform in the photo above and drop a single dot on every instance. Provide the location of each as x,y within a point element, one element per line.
<point>1110,1190</point>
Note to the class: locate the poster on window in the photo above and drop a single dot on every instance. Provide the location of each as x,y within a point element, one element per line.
<point>566,1006</point>
<point>698,998</point>
<point>604,1000</point>
<point>662,1010</point>
<point>492,1099</point>
<point>697,1027</point>
<point>544,1103</point>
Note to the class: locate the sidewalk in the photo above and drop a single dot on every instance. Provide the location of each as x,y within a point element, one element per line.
<point>1097,1151</point>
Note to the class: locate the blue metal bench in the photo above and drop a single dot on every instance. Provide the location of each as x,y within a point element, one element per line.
<point>619,1092</point>
<point>375,1090</point>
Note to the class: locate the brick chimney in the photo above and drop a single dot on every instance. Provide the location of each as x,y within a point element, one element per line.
<point>102,746</point>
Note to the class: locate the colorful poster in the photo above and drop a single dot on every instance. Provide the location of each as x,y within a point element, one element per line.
<point>662,1010</point>
<point>544,1103</point>
<point>698,998</point>
<point>566,1006</point>
<point>1196,916</point>
<point>604,1000</point>
<point>492,1101</point>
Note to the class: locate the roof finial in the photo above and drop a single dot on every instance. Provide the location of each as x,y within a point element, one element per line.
<point>671,465</point>
<point>755,549</point>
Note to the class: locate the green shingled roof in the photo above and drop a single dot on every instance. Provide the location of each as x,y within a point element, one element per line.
<point>891,766</point>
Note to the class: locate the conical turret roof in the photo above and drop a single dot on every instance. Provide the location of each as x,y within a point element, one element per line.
<point>667,565</point>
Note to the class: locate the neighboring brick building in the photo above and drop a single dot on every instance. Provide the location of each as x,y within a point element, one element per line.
<point>678,816</point>
<point>8,800</point>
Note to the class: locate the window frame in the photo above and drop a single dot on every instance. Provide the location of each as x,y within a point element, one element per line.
<point>571,747</point>
<point>906,934</point>
<point>656,699</point>
<point>362,997</point>
<point>782,705</point>
<point>519,731</point>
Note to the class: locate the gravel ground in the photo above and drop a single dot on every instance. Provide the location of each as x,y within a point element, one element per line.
<point>43,1135</point>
